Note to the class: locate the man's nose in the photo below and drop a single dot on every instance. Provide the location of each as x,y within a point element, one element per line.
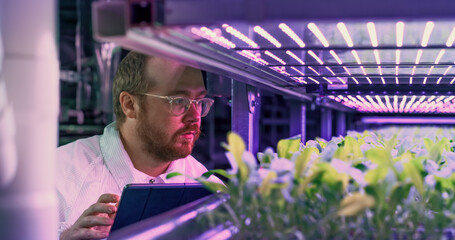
<point>193,114</point>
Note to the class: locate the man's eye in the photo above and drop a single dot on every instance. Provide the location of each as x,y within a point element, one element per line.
<point>179,101</point>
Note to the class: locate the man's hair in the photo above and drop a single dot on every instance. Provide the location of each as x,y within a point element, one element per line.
<point>130,77</point>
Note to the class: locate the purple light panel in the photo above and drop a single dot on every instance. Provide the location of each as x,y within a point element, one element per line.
<point>284,46</point>
<point>398,104</point>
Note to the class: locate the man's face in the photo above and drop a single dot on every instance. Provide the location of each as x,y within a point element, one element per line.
<point>163,135</point>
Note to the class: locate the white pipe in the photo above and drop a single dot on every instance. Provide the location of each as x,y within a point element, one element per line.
<point>30,69</point>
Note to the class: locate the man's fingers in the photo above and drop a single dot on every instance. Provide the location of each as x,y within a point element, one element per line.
<point>92,221</point>
<point>87,233</point>
<point>109,198</point>
<point>98,208</point>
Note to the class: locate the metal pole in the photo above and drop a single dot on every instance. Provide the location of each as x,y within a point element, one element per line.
<point>244,114</point>
<point>341,123</point>
<point>297,120</point>
<point>326,123</point>
<point>28,204</point>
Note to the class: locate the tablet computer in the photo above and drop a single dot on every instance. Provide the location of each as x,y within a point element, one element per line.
<point>141,201</point>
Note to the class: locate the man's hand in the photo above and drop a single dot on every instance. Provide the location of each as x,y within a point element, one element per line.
<point>96,221</point>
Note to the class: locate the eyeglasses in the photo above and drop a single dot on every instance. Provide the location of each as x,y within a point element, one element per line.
<point>180,105</point>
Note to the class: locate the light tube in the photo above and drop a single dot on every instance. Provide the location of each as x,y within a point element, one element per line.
<point>396,80</point>
<point>403,101</point>
<point>267,36</point>
<point>431,98</point>
<point>413,70</point>
<point>451,82</point>
<point>336,57</point>
<point>356,56</point>
<point>400,33</point>
<point>297,70</point>
<point>419,55</point>
<point>451,38</point>
<point>300,79</point>
<point>387,102</point>
<point>380,70</point>
<point>369,80</point>
<point>381,104</point>
<point>372,32</point>
<point>439,80</point>
<point>408,105</point>
<point>395,103</point>
<point>376,56</point>
<point>330,82</point>
<point>295,57</point>
<point>438,58</point>
<point>346,69</point>
<point>447,70</point>
<point>267,52</point>
<point>341,80</point>
<point>236,33</point>
<point>312,69</point>
<point>425,80</point>
<point>314,80</point>
<point>397,56</point>
<point>363,70</point>
<point>315,57</point>
<point>382,79</point>
<point>330,70</point>
<point>427,32</point>
<point>396,70</point>
<point>410,80</point>
<point>344,32</point>
<point>318,34</point>
<point>429,71</point>
<point>355,80</point>
<point>286,29</point>
<point>213,37</point>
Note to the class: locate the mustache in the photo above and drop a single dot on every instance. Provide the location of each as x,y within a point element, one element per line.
<point>194,128</point>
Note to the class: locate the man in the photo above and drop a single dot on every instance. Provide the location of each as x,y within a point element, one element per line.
<point>158,105</point>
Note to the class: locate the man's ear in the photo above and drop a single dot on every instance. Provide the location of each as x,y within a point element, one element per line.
<point>129,104</point>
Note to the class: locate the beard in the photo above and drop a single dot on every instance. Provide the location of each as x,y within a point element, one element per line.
<point>157,142</point>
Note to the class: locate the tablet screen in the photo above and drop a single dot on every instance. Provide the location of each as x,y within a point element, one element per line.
<point>141,201</point>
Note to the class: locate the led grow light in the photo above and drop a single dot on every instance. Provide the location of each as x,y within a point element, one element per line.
<point>286,29</point>
<point>372,32</point>
<point>345,33</point>
<point>268,53</point>
<point>315,57</point>
<point>236,33</point>
<point>297,70</point>
<point>333,53</point>
<point>347,71</point>
<point>438,58</point>
<point>328,80</point>
<point>313,28</point>
<point>400,33</point>
<point>451,38</point>
<point>426,34</point>
<point>212,37</point>
<point>419,55</point>
<point>356,56</point>
<point>295,57</point>
<point>355,80</point>
<point>312,69</point>
<point>401,104</point>
<point>267,36</point>
<point>330,70</point>
<point>314,80</point>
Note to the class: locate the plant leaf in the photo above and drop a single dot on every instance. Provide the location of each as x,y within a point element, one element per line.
<point>173,174</point>
<point>221,172</point>
<point>374,176</point>
<point>266,184</point>
<point>354,204</point>
<point>287,147</point>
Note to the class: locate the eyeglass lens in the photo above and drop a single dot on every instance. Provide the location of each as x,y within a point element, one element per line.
<point>180,106</point>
